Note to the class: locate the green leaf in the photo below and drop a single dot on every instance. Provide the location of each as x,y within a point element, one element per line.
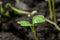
<point>24,23</point>
<point>38,19</point>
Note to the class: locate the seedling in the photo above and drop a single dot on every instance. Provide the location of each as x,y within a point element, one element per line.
<point>35,19</point>
<point>1,8</point>
<point>18,11</point>
<point>7,14</point>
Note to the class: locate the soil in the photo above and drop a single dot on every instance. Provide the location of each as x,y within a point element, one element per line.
<point>10,30</point>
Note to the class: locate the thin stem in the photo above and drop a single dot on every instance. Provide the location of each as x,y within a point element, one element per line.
<point>57,27</point>
<point>21,11</point>
<point>17,10</point>
<point>50,9</point>
<point>1,7</point>
<point>54,14</point>
<point>34,33</point>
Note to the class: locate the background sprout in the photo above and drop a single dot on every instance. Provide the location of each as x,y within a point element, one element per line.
<point>50,9</point>
<point>35,19</point>
<point>54,13</point>
<point>18,11</point>
<point>7,14</point>
<point>1,8</point>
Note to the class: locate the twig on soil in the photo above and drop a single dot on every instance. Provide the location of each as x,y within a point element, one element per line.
<point>15,9</point>
<point>1,8</point>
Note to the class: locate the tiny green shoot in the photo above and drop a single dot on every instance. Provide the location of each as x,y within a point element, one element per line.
<point>50,9</point>
<point>16,10</point>
<point>7,14</point>
<point>35,19</point>
<point>1,9</point>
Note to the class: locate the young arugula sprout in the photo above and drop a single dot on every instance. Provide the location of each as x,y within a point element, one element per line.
<point>35,19</point>
<point>1,8</point>
<point>18,11</point>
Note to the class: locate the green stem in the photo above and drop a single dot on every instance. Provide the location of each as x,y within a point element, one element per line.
<point>34,33</point>
<point>57,27</point>
<point>54,14</point>
<point>50,9</point>
<point>17,10</point>
<point>20,11</point>
<point>1,9</point>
